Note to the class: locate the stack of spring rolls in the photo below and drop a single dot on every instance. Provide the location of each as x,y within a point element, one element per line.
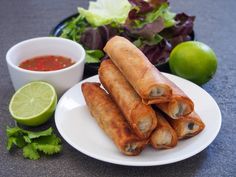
<point>141,106</point>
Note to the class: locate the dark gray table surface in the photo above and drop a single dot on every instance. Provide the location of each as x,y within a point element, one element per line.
<point>215,25</point>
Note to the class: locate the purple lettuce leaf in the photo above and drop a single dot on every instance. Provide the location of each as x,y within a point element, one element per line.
<point>156,3</point>
<point>159,53</point>
<point>96,38</point>
<point>140,7</point>
<point>184,24</point>
<point>149,30</point>
<point>181,31</point>
<point>91,39</point>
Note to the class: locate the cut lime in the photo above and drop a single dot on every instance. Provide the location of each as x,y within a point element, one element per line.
<point>34,103</point>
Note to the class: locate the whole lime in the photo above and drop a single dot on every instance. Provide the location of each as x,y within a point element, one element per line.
<point>194,61</point>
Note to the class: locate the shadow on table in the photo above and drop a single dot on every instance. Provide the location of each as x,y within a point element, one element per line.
<point>188,167</point>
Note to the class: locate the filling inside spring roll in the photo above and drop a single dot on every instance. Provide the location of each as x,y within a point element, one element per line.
<point>164,135</point>
<point>156,92</point>
<point>180,107</point>
<point>132,147</point>
<point>187,126</point>
<point>179,104</point>
<point>111,120</point>
<point>145,124</point>
<point>142,119</point>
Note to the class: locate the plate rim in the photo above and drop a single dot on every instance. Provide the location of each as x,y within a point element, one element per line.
<point>129,163</point>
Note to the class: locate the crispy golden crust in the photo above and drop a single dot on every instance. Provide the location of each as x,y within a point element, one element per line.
<point>179,104</point>
<point>141,117</point>
<point>148,82</point>
<point>187,126</point>
<point>162,131</point>
<point>111,120</point>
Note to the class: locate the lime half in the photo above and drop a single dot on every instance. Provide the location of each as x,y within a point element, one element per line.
<point>34,103</point>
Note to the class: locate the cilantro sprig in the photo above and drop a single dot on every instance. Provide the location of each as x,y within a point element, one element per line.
<point>33,143</point>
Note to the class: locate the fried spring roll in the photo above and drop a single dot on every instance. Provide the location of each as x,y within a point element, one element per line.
<point>111,120</point>
<point>179,105</point>
<point>141,117</point>
<point>164,136</point>
<point>187,126</point>
<point>148,82</point>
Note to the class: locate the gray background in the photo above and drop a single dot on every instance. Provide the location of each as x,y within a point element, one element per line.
<point>215,25</point>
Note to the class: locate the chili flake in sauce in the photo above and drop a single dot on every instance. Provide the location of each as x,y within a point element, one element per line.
<point>46,63</point>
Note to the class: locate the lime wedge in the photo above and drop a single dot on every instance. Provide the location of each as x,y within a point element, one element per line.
<point>34,103</point>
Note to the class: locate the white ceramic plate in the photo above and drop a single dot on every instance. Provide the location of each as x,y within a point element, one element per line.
<point>81,131</point>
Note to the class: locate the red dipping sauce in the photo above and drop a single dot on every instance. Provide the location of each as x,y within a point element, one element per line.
<point>46,63</point>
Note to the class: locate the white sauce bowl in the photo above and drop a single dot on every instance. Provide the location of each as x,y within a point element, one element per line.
<point>62,79</point>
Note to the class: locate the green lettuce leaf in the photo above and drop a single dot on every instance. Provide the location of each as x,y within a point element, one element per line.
<point>163,11</point>
<point>154,41</point>
<point>104,12</point>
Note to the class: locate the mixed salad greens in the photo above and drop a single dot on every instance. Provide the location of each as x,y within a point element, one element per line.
<point>150,25</point>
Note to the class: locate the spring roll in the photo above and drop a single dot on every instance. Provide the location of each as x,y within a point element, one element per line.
<point>141,117</point>
<point>164,136</point>
<point>111,120</point>
<point>148,82</point>
<point>179,105</point>
<point>187,126</point>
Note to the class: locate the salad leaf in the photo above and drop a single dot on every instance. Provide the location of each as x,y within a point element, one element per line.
<point>149,30</point>
<point>103,12</point>
<point>92,39</point>
<point>96,38</point>
<point>159,53</point>
<point>162,11</point>
<point>157,2</point>
<point>140,7</point>
<point>32,142</point>
<point>154,41</point>
<point>74,28</point>
<point>93,56</point>
<point>150,25</point>
<point>147,19</point>
<point>181,31</point>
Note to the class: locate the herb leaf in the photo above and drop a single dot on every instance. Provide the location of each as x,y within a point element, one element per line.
<point>32,142</point>
<point>33,135</point>
<point>13,131</point>
<point>30,152</point>
<point>48,148</point>
<point>52,140</point>
<point>10,143</point>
